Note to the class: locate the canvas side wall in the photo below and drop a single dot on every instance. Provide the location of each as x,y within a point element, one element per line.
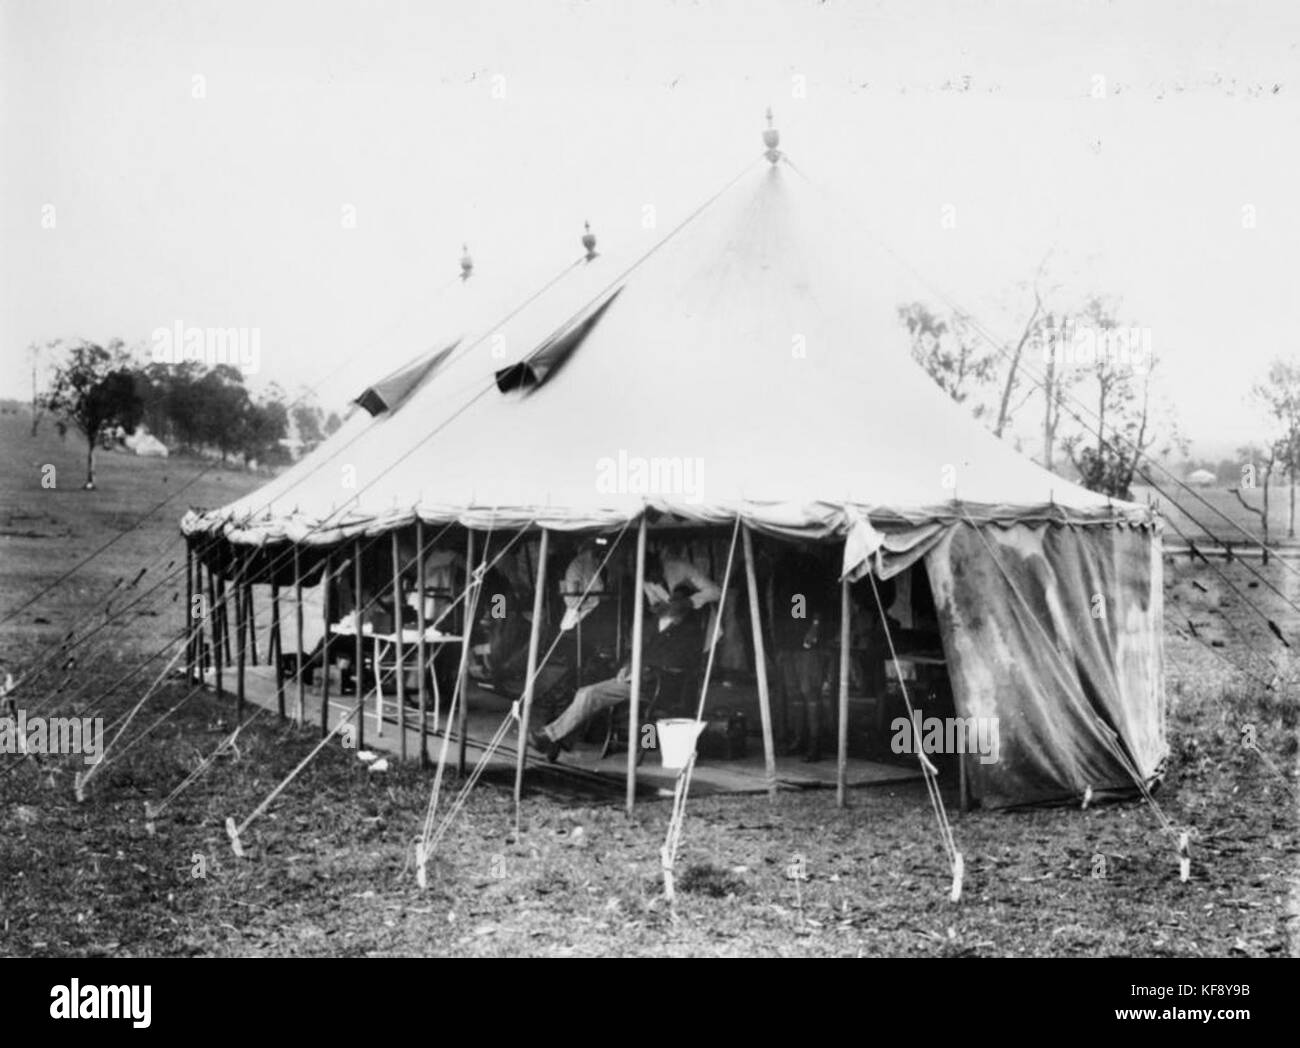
<point>1057,631</point>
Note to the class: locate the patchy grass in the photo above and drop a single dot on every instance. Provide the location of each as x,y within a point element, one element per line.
<point>330,871</point>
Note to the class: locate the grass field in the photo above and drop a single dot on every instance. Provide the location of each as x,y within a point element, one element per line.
<point>329,871</point>
<point>1217,514</point>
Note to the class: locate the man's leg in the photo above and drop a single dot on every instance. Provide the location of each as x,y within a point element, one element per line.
<point>791,689</point>
<point>587,702</point>
<point>816,697</point>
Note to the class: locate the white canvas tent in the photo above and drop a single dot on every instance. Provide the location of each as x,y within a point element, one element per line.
<point>748,350</point>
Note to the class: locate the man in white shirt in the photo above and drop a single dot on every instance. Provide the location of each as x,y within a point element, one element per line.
<point>676,599</point>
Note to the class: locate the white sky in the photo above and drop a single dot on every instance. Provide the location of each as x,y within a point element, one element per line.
<point>225,211</point>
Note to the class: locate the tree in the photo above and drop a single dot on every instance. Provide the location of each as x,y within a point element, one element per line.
<point>94,389</point>
<point>308,420</point>
<point>223,407</point>
<point>1029,333</point>
<point>1279,394</point>
<point>264,425</point>
<point>34,351</point>
<point>332,423</point>
<point>948,351</point>
<point>1248,480</point>
<point>1052,333</point>
<point>1107,451</point>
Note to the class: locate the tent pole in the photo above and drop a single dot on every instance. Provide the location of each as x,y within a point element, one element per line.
<point>467,633</point>
<point>420,626</point>
<point>274,644</point>
<point>468,614</point>
<point>634,699</point>
<point>842,768</point>
<point>760,663</point>
<point>297,603</point>
<point>225,617</point>
<point>241,654</point>
<point>359,655</point>
<point>397,632</point>
<point>526,703</point>
<point>205,644</point>
<point>252,622</point>
<point>189,610</point>
<point>325,580</point>
<point>200,653</point>
<point>214,625</point>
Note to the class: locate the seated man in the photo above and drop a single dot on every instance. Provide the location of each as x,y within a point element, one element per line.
<point>673,641</point>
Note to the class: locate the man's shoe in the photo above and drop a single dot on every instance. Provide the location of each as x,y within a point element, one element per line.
<point>545,745</point>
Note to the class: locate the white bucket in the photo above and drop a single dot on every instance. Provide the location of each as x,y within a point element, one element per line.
<point>677,740</point>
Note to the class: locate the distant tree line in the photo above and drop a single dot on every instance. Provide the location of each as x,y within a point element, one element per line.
<point>188,406</point>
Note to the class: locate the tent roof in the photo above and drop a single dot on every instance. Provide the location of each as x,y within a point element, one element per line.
<point>746,357</point>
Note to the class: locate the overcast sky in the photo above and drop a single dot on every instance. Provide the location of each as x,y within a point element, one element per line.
<point>198,157</point>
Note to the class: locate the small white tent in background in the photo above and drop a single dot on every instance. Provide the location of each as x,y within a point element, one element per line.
<point>1202,478</point>
<point>146,445</point>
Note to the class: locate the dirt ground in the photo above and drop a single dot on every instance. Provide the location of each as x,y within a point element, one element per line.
<point>329,870</point>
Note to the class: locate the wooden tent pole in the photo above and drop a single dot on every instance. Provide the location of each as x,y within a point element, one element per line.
<point>462,716</point>
<point>189,610</point>
<point>200,645</point>
<point>397,632</point>
<point>421,657</point>
<point>634,699</point>
<point>298,624</point>
<point>222,588</point>
<point>214,626</point>
<point>274,645</point>
<point>526,703</point>
<point>842,768</point>
<point>325,580</point>
<point>760,663</point>
<point>359,654</point>
<point>240,653</point>
<point>250,621</point>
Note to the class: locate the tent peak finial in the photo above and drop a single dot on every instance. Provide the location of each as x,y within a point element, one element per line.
<point>771,139</point>
<point>589,241</point>
<point>466,263</point>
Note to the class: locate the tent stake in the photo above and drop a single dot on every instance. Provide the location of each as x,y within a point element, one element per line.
<point>462,717</point>
<point>526,703</point>
<point>360,653</point>
<point>760,663</point>
<point>325,650</point>
<point>842,769</point>
<point>420,654</point>
<point>297,604</point>
<point>397,632</point>
<point>634,700</point>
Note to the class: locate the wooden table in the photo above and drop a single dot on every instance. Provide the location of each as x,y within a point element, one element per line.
<point>434,641</point>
